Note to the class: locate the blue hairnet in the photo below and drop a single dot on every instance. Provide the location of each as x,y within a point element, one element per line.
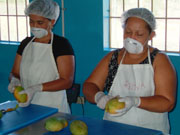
<point>45,8</point>
<point>141,13</point>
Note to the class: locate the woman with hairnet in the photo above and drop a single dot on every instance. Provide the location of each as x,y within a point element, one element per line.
<point>138,74</point>
<point>44,63</point>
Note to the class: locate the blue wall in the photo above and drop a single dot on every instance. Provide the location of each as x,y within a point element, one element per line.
<point>174,114</point>
<point>84,29</point>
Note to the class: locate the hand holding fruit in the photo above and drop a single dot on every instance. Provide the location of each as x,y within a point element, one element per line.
<point>129,103</point>
<point>113,105</point>
<point>13,82</point>
<point>21,98</point>
<point>30,91</point>
<point>101,99</point>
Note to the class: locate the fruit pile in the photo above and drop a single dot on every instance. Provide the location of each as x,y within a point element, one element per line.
<point>77,127</point>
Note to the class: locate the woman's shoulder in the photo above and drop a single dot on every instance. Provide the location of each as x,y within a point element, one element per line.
<point>161,58</point>
<point>61,46</point>
<point>58,38</point>
<point>26,40</point>
<point>153,49</point>
<point>61,42</point>
<point>112,57</point>
<point>115,52</point>
<point>157,53</point>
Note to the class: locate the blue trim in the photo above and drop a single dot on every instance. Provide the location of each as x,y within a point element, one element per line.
<point>172,54</point>
<point>167,53</point>
<point>9,43</point>
<point>107,49</point>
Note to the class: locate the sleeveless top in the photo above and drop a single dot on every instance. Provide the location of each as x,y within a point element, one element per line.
<point>113,66</point>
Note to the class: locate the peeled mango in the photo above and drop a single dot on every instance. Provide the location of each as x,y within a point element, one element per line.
<point>113,105</point>
<point>55,124</point>
<point>22,98</point>
<point>78,127</point>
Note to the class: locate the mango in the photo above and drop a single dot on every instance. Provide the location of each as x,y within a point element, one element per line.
<point>113,105</point>
<point>55,124</point>
<point>78,127</point>
<point>22,98</point>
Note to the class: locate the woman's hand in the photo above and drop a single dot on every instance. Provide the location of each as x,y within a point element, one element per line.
<point>30,91</point>
<point>101,99</point>
<point>129,103</point>
<point>14,82</point>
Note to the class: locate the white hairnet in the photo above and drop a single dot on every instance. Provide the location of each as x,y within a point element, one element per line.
<point>141,13</point>
<point>45,8</point>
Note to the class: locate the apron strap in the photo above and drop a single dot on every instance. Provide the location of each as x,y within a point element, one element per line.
<point>122,57</point>
<point>149,58</point>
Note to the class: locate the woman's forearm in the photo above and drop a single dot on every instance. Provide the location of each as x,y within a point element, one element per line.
<point>59,84</point>
<point>156,104</point>
<point>89,90</point>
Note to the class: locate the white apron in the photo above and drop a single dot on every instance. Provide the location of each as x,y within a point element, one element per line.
<point>38,66</point>
<point>137,80</point>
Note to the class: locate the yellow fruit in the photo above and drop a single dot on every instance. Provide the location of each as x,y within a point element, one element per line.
<point>78,127</point>
<point>54,125</point>
<point>113,105</point>
<point>22,98</point>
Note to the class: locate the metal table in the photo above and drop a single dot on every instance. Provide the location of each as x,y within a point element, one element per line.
<point>95,127</point>
<point>28,121</point>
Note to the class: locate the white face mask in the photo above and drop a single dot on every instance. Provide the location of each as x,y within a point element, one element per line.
<point>133,46</point>
<point>39,32</point>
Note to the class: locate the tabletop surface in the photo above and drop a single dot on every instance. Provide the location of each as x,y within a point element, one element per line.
<point>95,127</point>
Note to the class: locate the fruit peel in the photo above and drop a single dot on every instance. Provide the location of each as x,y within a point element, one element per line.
<point>113,105</point>
<point>21,98</point>
<point>78,127</point>
<point>12,109</point>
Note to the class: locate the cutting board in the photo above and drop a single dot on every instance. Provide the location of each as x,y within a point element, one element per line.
<point>23,116</point>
